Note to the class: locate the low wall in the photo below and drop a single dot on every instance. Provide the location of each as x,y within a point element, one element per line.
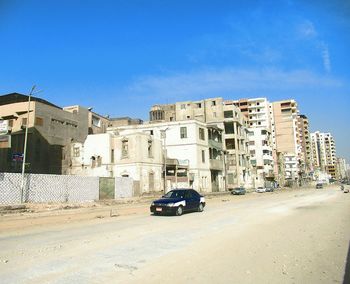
<point>56,188</point>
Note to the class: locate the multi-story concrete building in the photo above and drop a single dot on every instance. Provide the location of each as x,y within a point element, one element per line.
<point>341,169</point>
<point>304,146</point>
<point>51,129</point>
<point>193,152</point>
<point>224,115</point>
<point>236,145</point>
<point>257,112</point>
<point>324,153</point>
<point>285,137</point>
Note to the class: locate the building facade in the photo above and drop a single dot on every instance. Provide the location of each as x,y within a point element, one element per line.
<point>222,114</point>
<point>51,130</point>
<point>260,147</point>
<point>286,139</point>
<point>193,153</point>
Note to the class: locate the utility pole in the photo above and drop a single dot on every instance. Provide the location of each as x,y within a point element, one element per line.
<point>163,135</point>
<point>25,144</point>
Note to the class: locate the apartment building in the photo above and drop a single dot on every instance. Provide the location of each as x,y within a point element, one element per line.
<point>324,153</point>
<point>193,152</point>
<point>213,111</point>
<point>51,130</point>
<point>207,110</point>
<point>304,146</point>
<point>238,172</point>
<point>285,137</point>
<point>257,111</point>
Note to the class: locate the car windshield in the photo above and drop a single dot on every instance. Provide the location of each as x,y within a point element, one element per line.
<point>174,194</point>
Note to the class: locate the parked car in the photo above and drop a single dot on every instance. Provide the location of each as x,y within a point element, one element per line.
<point>238,191</point>
<point>346,190</point>
<point>269,189</point>
<point>178,201</point>
<point>319,185</point>
<point>261,189</point>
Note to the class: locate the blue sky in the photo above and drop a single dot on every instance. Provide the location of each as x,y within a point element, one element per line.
<point>122,57</point>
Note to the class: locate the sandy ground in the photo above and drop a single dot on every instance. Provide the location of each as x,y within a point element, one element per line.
<point>299,236</point>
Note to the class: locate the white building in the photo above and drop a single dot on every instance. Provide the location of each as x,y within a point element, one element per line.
<point>193,150</point>
<point>134,155</point>
<point>257,111</point>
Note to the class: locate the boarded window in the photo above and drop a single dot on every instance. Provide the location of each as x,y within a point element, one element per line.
<point>39,121</point>
<point>125,148</point>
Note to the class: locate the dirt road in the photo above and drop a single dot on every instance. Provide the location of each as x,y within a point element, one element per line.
<point>299,236</point>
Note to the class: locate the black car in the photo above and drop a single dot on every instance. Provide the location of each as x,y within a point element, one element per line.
<point>178,201</point>
<point>238,191</point>
<point>319,185</point>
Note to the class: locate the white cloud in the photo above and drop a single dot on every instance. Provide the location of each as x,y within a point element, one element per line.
<point>213,82</point>
<point>326,57</point>
<point>307,29</point>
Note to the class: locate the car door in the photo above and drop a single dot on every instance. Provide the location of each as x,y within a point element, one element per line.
<point>190,202</point>
<point>193,199</point>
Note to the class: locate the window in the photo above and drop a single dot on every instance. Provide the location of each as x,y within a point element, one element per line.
<point>228,114</point>
<point>183,106</point>
<point>201,134</point>
<point>99,161</point>
<point>150,149</point>
<point>230,144</point>
<point>183,132</point>
<point>96,121</point>
<point>125,148</point>
<point>229,129</point>
<point>251,142</point>
<point>24,121</point>
<point>199,105</point>
<point>93,162</point>
<point>39,121</point>
<point>112,156</point>
<point>213,103</point>
<point>230,178</point>
<point>10,122</point>
<point>203,156</point>
<point>252,152</point>
<point>76,152</point>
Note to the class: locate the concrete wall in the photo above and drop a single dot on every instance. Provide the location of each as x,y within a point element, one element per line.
<point>56,188</point>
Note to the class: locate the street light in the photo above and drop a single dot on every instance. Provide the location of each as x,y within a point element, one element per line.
<point>25,143</point>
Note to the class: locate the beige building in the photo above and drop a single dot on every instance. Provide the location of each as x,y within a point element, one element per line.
<point>324,153</point>
<point>304,146</point>
<point>51,129</point>
<point>285,137</point>
<point>223,115</point>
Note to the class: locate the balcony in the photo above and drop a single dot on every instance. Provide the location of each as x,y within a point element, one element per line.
<point>216,165</point>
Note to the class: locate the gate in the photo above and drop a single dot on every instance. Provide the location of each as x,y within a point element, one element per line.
<point>107,188</point>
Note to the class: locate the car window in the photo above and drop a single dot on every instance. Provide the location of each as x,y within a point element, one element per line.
<point>174,194</point>
<point>188,194</point>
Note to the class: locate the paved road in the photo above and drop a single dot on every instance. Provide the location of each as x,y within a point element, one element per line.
<point>299,236</point>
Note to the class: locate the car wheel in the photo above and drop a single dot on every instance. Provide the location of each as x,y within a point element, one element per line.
<point>200,207</point>
<point>179,211</point>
